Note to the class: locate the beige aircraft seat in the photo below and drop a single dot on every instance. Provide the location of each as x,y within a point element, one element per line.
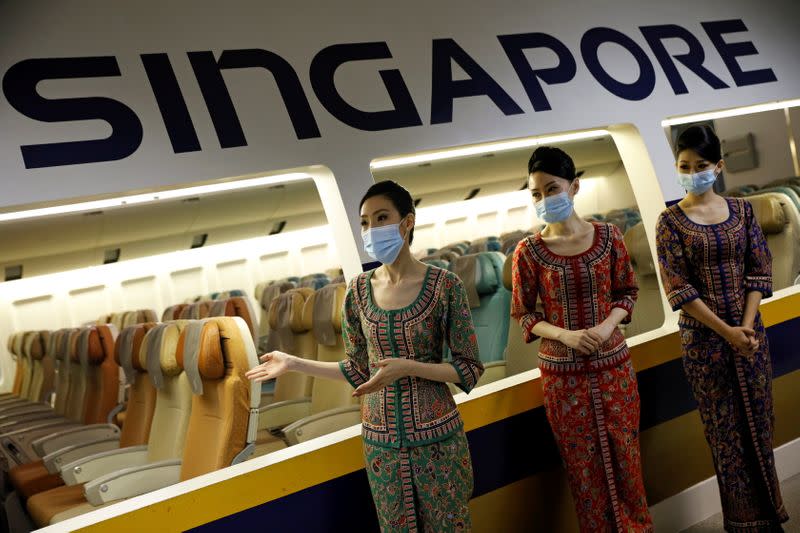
<point>159,435</point>
<point>173,312</point>
<point>215,354</point>
<point>291,333</point>
<point>780,222</point>
<point>648,313</point>
<point>332,405</point>
<point>519,356</point>
<point>196,311</point>
<point>238,306</point>
<point>270,292</point>
<point>96,353</point>
<point>11,346</point>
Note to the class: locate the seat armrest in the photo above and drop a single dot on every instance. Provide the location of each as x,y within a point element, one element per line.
<point>55,460</point>
<point>276,415</point>
<point>61,439</point>
<point>130,482</point>
<point>322,423</point>
<point>100,464</point>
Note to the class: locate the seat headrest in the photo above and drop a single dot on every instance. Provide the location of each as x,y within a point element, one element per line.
<point>507,264</point>
<point>200,353</point>
<point>89,347</point>
<point>272,291</point>
<point>481,274</point>
<point>639,250</point>
<point>769,213</point>
<point>206,350</point>
<point>172,312</point>
<point>237,306</point>
<point>39,344</point>
<point>314,281</point>
<point>287,310</point>
<point>161,351</point>
<point>129,342</point>
<point>324,311</point>
<point>196,311</point>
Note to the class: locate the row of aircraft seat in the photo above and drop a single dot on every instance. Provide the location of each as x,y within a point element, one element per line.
<point>777,208</point>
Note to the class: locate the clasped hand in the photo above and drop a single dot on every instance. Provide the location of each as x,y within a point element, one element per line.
<point>743,340</point>
<point>587,341</point>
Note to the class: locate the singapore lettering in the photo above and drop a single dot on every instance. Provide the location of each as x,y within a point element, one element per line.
<point>20,82</point>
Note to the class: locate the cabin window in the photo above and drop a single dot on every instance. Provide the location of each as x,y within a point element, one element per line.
<point>475,200</point>
<point>759,147</point>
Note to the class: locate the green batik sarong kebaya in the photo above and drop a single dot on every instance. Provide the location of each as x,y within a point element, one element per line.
<point>416,452</point>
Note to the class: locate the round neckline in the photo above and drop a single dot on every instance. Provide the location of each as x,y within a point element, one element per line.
<point>416,300</point>
<point>686,216</point>
<point>595,241</point>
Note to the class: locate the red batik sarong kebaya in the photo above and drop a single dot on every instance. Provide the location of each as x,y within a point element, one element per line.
<point>720,264</point>
<point>592,402</point>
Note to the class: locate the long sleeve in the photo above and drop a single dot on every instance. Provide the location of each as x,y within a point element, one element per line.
<point>672,264</point>
<point>758,259</point>
<point>356,366</point>
<point>525,289</point>
<point>624,289</point>
<point>460,335</point>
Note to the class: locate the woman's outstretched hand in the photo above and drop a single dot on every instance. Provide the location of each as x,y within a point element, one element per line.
<point>272,365</point>
<point>389,371</point>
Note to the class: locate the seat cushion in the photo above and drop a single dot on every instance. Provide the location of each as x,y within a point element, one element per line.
<point>33,478</point>
<point>45,505</point>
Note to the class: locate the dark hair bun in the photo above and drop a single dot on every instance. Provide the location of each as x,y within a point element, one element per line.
<point>702,139</point>
<point>553,161</point>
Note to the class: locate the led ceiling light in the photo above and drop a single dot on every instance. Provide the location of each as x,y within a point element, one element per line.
<point>121,201</point>
<point>746,110</point>
<point>499,146</point>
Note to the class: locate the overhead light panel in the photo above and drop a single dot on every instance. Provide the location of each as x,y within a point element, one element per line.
<point>122,201</point>
<point>735,112</point>
<point>479,149</point>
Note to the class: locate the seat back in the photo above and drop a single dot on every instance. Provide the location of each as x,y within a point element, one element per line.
<point>102,385</point>
<point>215,354</point>
<point>173,391</point>
<point>173,312</point>
<point>36,346</point>
<point>519,356</point>
<point>291,332</point>
<point>141,394</point>
<point>27,363</point>
<point>780,222</point>
<point>269,293</point>
<point>324,310</point>
<point>64,342</point>
<point>49,363</point>
<point>314,281</point>
<point>11,345</point>
<point>196,311</point>
<point>482,275</point>
<point>238,306</point>
<point>79,369</point>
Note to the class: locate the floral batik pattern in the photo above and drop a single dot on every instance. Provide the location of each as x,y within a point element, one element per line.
<point>422,488</point>
<point>412,411</point>
<point>595,420</point>
<point>720,264</point>
<point>591,401</point>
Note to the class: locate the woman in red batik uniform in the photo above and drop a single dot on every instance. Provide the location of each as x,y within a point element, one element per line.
<point>581,273</point>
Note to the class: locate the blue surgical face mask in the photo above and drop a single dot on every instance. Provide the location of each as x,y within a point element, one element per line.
<point>384,243</point>
<point>556,208</point>
<point>699,182</point>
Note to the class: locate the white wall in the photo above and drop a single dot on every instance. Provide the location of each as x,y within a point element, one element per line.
<point>771,142</point>
<point>75,297</point>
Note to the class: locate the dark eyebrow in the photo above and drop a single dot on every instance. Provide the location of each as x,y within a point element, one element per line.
<point>376,212</point>
<point>546,185</point>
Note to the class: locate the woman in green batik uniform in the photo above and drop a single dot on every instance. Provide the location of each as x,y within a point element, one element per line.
<point>395,322</point>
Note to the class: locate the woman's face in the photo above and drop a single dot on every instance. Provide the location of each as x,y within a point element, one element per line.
<point>690,162</point>
<point>379,211</point>
<point>541,185</point>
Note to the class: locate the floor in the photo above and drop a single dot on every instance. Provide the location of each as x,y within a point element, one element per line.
<point>790,490</point>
